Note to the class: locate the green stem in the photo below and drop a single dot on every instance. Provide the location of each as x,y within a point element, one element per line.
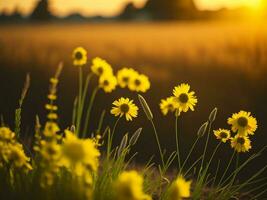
<point>110,138</point>
<point>78,122</point>
<point>177,142</point>
<point>205,150</point>
<point>190,152</point>
<point>157,139</point>
<point>225,171</point>
<point>88,112</point>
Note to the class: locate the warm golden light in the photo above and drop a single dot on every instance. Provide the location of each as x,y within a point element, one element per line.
<point>111,7</point>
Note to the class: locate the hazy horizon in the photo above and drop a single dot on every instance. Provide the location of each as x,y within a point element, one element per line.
<point>108,8</point>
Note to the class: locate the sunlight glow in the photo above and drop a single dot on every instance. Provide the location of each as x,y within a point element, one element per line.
<point>111,7</point>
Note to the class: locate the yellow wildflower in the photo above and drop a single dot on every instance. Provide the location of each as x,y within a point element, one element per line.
<point>129,186</point>
<point>52,97</point>
<point>241,143</point>
<point>107,82</point>
<point>222,134</point>
<point>139,83</point>
<point>243,122</point>
<point>16,157</point>
<point>52,116</point>
<point>101,67</point>
<point>79,56</point>
<point>79,154</point>
<point>179,189</point>
<point>51,129</point>
<point>167,105</point>
<point>183,98</point>
<point>124,106</point>
<point>50,151</point>
<point>6,135</point>
<point>51,107</point>
<point>125,75</point>
<point>53,81</point>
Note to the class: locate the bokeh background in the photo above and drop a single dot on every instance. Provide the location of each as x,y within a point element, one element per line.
<point>218,47</point>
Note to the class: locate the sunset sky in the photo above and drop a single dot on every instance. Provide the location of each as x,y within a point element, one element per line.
<point>109,7</point>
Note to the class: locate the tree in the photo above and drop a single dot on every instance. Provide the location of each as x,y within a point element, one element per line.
<point>171,9</point>
<point>129,12</point>
<point>41,11</point>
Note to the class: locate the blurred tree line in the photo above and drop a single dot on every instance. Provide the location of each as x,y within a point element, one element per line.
<point>153,10</point>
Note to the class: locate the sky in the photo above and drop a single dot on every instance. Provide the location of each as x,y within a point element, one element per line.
<point>109,7</point>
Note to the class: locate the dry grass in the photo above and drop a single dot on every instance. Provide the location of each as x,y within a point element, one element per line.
<point>150,46</point>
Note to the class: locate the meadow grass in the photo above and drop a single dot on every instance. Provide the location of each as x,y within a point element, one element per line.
<point>211,56</point>
<point>61,159</point>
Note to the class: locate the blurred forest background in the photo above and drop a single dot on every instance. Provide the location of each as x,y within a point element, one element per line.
<point>221,53</point>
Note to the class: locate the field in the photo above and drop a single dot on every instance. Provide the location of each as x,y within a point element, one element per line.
<point>225,63</point>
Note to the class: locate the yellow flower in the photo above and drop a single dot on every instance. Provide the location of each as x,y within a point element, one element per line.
<point>107,82</point>
<point>79,56</point>
<point>183,98</point>
<point>79,154</point>
<point>49,151</point>
<point>52,116</point>
<point>167,105</point>
<point>51,129</point>
<point>241,143</point>
<point>51,107</point>
<point>243,122</point>
<point>101,67</point>
<point>6,135</point>
<point>16,157</point>
<point>52,97</point>
<point>179,189</point>
<point>124,106</point>
<point>139,83</point>
<point>125,75</point>
<point>129,186</point>
<point>53,81</point>
<point>222,134</point>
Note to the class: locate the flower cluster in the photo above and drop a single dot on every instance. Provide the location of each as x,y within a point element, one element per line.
<point>52,96</point>
<point>126,77</point>
<point>129,186</point>
<point>182,100</point>
<point>179,189</point>
<point>11,152</point>
<point>242,125</point>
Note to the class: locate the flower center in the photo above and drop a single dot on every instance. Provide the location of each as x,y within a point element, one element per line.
<point>125,79</point>
<point>223,135</point>
<point>105,83</point>
<point>78,55</point>
<point>124,108</point>
<point>100,70</point>
<point>137,82</point>
<point>242,121</point>
<point>240,140</point>
<point>170,106</point>
<point>74,151</point>
<point>183,98</point>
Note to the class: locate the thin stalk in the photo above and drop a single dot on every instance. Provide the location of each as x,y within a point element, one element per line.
<point>190,152</point>
<point>88,112</point>
<point>225,171</point>
<point>110,138</point>
<point>157,139</point>
<point>205,150</point>
<point>83,97</point>
<point>177,142</point>
<point>78,122</point>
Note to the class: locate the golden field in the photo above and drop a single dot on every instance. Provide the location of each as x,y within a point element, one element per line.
<point>225,63</point>
<point>157,46</point>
